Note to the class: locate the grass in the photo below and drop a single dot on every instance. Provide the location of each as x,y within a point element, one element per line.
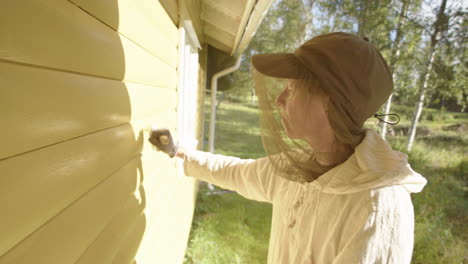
<point>237,131</point>
<point>231,229</point>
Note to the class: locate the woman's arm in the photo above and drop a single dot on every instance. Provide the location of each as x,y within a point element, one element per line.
<point>253,179</point>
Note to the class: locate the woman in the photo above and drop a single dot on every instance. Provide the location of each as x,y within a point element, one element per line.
<point>344,196</point>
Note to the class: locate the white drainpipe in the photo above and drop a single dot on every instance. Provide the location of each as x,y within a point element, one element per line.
<point>214,89</point>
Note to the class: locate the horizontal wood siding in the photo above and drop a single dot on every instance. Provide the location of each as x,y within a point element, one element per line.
<point>57,34</point>
<point>82,82</point>
<point>58,242</point>
<point>55,177</point>
<point>144,22</point>
<point>51,106</point>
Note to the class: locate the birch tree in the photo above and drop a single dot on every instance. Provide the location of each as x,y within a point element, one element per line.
<point>395,52</point>
<point>439,26</point>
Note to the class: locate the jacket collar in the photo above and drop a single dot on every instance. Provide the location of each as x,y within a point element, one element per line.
<point>374,164</point>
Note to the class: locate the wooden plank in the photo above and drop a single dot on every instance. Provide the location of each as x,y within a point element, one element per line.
<point>66,236</point>
<point>58,34</point>
<point>222,18</point>
<point>219,34</point>
<point>221,25</point>
<point>202,81</point>
<point>141,67</point>
<point>170,206</point>
<point>60,189</point>
<point>217,44</point>
<point>131,243</point>
<point>145,22</point>
<point>148,101</point>
<point>190,10</point>
<point>259,12</point>
<point>172,9</point>
<point>67,170</point>
<point>170,202</point>
<point>37,185</point>
<point>160,186</point>
<point>106,245</point>
<point>249,4</point>
<point>227,6</point>
<point>56,106</point>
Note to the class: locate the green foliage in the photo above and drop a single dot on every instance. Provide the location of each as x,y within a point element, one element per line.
<point>449,81</point>
<point>441,210</point>
<point>437,117</point>
<point>288,23</point>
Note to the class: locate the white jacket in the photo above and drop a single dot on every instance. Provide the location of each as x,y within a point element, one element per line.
<point>357,212</point>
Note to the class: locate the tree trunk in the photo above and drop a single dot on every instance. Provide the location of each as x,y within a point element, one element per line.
<point>420,104</point>
<point>394,58</point>
<point>438,25</point>
<point>386,112</point>
<point>307,24</point>
<point>362,19</point>
<point>219,99</point>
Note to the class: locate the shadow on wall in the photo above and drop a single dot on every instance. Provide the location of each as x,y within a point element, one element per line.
<point>71,176</point>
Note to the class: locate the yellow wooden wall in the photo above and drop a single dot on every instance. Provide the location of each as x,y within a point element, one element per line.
<point>80,82</point>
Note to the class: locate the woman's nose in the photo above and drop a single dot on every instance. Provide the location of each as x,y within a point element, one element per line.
<point>280,100</point>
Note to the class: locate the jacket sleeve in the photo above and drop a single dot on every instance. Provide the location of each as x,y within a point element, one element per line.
<point>386,236</point>
<point>253,179</point>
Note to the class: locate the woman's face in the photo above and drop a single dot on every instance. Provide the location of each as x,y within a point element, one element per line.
<point>304,115</point>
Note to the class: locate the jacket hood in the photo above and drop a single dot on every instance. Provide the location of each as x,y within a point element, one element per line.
<point>374,164</point>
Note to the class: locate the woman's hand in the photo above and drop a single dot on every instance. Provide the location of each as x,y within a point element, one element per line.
<point>161,138</point>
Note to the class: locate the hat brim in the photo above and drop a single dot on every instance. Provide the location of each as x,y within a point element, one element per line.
<point>279,65</point>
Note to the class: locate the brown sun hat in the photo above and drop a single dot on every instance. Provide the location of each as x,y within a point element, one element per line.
<point>350,70</point>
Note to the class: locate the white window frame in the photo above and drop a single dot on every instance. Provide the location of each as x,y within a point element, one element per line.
<point>187,88</point>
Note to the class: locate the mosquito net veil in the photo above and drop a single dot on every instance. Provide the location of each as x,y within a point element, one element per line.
<point>295,159</point>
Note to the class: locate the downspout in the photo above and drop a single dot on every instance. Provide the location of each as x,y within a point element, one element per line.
<point>214,90</point>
